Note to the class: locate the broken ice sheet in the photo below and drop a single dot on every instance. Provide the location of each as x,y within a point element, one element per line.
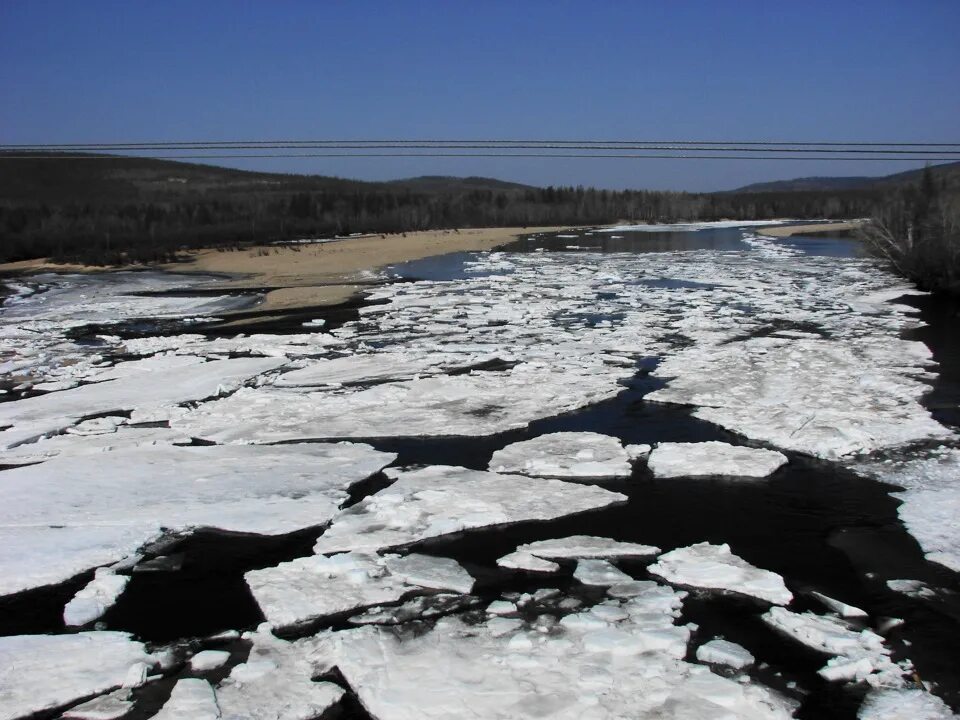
<point>145,389</point>
<point>852,397</point>
<point>931,500</point>
<point>629,665</point>
<point>416,608</point>
<point>599,572</point>
<point>439,499</point>
<point>275,682</point>
<point>712,458</point>
<point>313,587</point>
<point>903,704</point>
<point>724,652</point>
<point>859,655</point>
<point>714,567</point>
<point>109,504</point>
<point>482,403</point>
<point>44,672</point>
<point>564,454</point>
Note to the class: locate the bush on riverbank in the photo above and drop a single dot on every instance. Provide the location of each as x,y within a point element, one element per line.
<point>918,233</point>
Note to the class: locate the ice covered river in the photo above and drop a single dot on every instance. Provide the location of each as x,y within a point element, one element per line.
<point>662,472</point>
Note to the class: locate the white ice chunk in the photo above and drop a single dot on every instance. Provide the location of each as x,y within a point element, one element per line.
<point>519,560</point>
<point>95,598</point>
<point>72,444</point>
<point>903,704</point>
<point>312,587</point>
<point>838,606</point>
<point>440,499</point>
<point>564,454</point>
<point>636,452</point>
<point>911,588</point>
<point>599,572</point>
<point>275,682</point>
<point>207,660</point>
<point>724,652</point>
<point>587,546</point>
<point>44,672</point>
<point>373,367</point>
<point>712,458</point>
<point>714,567</point>
<point>859,655</point>
<point>430,572</point>
<point>191,699</point>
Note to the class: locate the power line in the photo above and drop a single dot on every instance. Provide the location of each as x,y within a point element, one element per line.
<point>594,148</point>
<point>581,156</point>
<point>718,144</point>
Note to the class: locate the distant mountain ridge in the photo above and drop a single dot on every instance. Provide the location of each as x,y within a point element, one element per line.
<point>948,172</point>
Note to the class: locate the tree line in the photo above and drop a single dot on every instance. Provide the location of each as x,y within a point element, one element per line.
<point>155,228</point>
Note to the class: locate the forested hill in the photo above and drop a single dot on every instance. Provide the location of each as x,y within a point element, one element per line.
<point>115,209</point>
<point>948,174</point>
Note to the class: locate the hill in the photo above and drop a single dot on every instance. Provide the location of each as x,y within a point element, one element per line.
<point>949,173</point>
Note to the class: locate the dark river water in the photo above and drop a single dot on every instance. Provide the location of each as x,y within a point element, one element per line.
<point>820,526</point>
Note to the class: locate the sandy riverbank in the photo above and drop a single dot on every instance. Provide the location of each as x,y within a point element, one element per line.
<point>331,272</point>
<point>788,230</point>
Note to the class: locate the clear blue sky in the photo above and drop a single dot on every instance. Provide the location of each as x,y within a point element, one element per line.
<point>131,70</point>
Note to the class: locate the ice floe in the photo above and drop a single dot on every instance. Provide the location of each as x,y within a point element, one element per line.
<point>480,403</point>
<point>715,567</point>
<point>144,389</point>
<point>712,458</point>
<point>564,454</point>
<point>599,572</point>
<point>903,704</point>
<point>59,515</point>
<point>859,655</point>
<point>821,397</point>
<point>44,672</point>
<point>587,546</point>
<point>191,699</point>
<point>275,682</point>
<point>931,500</point>
<point>627,665</point>
<point>520,560</point>
<point>207,660</point>
<point>313,587</point>
<point>440,499</point>
<point>95,598</point>
<point>724,652</point>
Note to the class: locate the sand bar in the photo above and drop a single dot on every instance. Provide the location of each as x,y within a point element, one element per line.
<point>331,272</point>
<point>788,230</point>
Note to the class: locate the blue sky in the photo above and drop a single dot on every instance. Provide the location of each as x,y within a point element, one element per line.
<point>845,70</point>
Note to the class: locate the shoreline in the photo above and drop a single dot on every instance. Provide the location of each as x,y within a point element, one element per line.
<point>311,274</point>
<point>781,231</point>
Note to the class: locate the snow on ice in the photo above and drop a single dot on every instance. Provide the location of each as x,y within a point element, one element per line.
<point>440,499</point>
<point>714,567</point>
<point>712,458</point>
<point>564,454</point>
<point>95,598</point>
